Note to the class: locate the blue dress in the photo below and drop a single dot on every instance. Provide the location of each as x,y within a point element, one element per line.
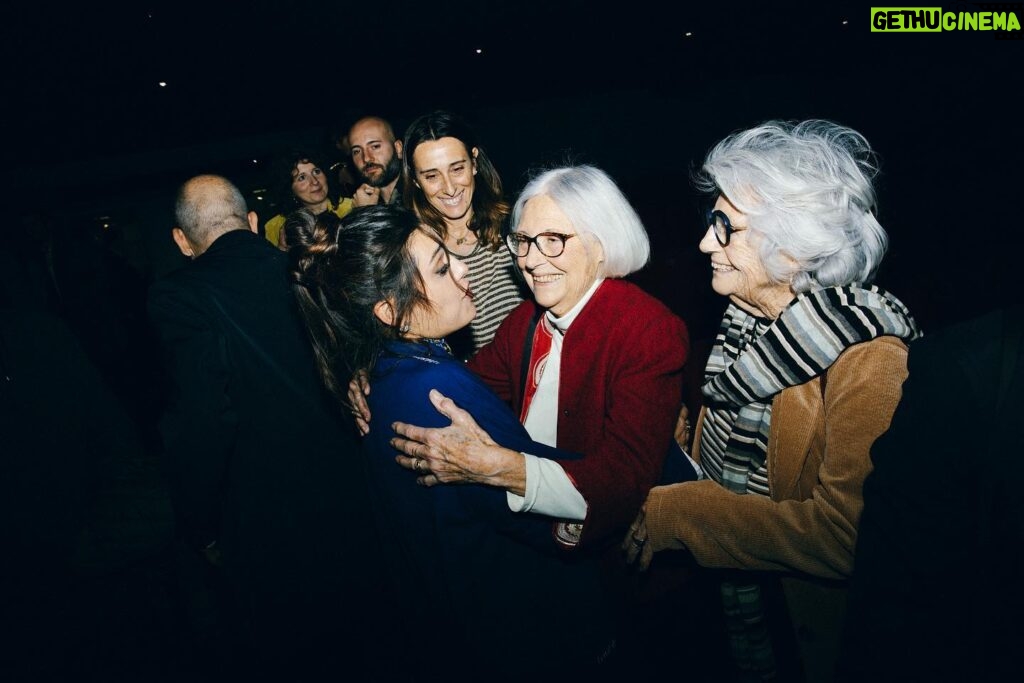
<point>468,571</point>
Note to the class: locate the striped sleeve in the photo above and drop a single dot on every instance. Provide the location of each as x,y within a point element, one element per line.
<point>496,291</point>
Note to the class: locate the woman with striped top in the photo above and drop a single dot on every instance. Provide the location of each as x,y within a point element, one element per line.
<point>456,191</point>
<point>804,375</point>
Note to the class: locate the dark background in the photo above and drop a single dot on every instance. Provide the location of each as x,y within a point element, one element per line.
<point>95,149</point>
<point>94,139</point>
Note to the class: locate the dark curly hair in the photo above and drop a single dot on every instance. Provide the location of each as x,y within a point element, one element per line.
<point>341,271</point>
<point>281,176</point>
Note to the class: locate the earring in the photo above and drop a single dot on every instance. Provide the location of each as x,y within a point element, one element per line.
<point>404,329</point>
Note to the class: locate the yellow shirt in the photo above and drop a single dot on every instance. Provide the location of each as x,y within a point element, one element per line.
<point>272,229</point>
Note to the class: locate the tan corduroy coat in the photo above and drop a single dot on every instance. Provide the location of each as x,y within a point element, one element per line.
<point>818,456</point>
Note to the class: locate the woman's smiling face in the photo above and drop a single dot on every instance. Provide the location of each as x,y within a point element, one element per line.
<point>558,282</point>
<point>445,172</point>
<point>737,270</point>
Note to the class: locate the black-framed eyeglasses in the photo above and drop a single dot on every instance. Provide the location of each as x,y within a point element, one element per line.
<point>719,223</point>
<point>550,244</point>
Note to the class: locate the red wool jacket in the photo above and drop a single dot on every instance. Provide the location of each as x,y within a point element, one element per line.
<point>619,395</point>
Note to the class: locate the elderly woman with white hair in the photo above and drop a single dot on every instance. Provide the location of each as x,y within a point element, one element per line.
<point>804,375</point>
<point>592,366</point>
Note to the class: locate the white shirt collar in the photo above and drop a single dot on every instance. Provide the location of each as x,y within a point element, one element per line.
<point>562,324</point>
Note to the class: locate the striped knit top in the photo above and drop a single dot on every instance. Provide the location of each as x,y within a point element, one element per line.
<point>496,290</point>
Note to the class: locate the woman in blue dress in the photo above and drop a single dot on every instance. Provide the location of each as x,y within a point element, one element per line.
<point>380,291</point>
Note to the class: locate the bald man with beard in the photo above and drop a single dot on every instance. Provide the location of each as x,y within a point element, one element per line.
<point>264,476</point>
<point>377,159</point>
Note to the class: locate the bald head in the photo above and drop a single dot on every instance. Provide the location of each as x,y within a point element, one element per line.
<point>209,206</point>
<point>372,125</point>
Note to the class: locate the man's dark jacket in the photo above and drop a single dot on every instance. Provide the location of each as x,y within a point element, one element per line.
<point>258,457</point>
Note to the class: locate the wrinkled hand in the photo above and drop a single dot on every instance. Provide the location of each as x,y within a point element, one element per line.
<point>358,390</point>
<point>459,453</point>
<point>366,195</point>
<point>636,545</point>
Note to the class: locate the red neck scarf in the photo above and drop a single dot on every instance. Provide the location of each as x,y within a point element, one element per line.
<point>538,359</point>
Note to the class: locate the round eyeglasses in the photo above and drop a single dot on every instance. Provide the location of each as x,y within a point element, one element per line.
<point>719,223</point>
<point>550,244</point>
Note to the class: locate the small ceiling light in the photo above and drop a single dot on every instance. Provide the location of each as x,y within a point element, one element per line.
<point>163,84</point>
<point>259,197</point>
<point>254,161</point>
<point>688,34</point>
<point>479,51</point>
<point>845,22</point>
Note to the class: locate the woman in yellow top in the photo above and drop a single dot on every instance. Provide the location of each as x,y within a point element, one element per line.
<point>301,174</point>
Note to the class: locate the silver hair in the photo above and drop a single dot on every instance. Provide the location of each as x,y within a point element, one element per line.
<point>594,204</point>
<point>806,189</point>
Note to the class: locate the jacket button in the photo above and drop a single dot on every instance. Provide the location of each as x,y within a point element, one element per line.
<point>565,412</point>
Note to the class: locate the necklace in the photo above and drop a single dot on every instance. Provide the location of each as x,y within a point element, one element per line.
<point>465,238</point>
<point>438,342</point>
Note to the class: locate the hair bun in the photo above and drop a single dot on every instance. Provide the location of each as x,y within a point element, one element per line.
<point>312,241</point>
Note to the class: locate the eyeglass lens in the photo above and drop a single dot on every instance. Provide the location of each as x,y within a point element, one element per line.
<point>719,222</point>
<point>549,244</point>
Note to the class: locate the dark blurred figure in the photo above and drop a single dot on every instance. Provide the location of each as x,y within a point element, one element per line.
<point>935,594</point>
<point>53,265</point>
<point>64,437</point>
<point>344,177</point>
<point>264,480</point>
<point>27,265</point>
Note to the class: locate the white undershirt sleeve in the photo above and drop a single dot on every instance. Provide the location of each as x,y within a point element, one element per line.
<point>693,463</point>
<point>549,491</point>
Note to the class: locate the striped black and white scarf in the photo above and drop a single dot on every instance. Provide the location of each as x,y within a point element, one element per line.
<point>753,359</point>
